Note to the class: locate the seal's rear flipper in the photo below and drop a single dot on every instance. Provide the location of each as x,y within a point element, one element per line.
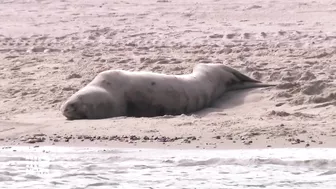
<point>240,76</point>
<point>244,81</point>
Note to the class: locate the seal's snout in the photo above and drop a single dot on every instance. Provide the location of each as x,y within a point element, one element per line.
<point>90,102</point>
<point>71,111</point>
<point>67,110</point>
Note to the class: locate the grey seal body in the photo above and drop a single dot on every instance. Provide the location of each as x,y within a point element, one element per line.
<point>116,93</point>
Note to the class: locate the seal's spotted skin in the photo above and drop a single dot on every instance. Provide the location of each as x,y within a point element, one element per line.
<point>116,93</point>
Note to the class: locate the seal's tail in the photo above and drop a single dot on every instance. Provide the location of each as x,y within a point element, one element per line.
<point>241,76</point>
<point>245,81</point>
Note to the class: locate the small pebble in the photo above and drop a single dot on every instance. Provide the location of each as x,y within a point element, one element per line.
<point>31,141</point>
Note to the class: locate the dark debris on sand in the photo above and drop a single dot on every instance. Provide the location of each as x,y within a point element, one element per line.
<point>118,138</point>
<point>243,139</point>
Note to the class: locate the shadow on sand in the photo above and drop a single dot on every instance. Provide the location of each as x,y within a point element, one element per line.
<point>229,100</point>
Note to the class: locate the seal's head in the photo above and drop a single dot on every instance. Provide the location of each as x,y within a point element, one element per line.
<point>91,102</point>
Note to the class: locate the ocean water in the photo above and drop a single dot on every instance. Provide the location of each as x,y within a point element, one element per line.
<point>61,167</point>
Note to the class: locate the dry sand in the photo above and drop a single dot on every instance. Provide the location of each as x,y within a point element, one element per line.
<point>49,49</point>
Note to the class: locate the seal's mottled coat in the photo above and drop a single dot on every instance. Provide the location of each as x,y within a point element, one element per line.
<point>115,93</point>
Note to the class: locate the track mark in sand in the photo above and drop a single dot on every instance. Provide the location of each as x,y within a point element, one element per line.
<point>4,130</point>
<point>15,124</point>
<point>325,104</point>
<point>32,127</point>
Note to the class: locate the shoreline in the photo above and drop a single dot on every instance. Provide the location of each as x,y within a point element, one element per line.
<point>120,146</point>
<point>170,132</point>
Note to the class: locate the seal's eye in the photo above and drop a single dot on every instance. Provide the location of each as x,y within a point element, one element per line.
<point>71,106</point>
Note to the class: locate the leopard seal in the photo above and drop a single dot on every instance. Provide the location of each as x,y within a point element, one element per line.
<point>115,93</point>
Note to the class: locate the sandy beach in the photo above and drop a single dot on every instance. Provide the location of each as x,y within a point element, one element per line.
<point>50,49</point>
